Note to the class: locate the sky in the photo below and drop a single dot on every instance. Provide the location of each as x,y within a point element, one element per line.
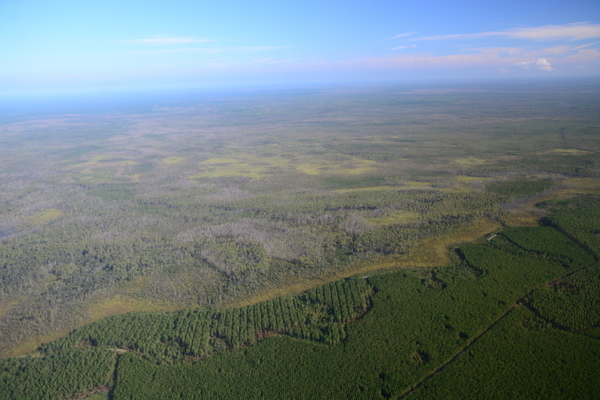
<point>66,45</point>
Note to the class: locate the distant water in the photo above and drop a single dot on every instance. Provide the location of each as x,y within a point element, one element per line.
<point>26,105</point>
<point>7,233</point>
<point>18,106</point>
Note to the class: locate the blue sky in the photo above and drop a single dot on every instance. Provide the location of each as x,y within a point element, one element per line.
<point>83,45</point>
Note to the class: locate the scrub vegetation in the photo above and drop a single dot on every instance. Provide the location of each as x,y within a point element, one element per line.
<point>303,244</point>
<point>495,321</point>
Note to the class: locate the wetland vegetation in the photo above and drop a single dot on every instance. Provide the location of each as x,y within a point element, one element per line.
<point>367,242</point>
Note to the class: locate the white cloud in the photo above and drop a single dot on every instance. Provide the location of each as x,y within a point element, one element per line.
<point>404,47</point>
<point>272,61</point>
<point>180,50</point>
<point>460,61</point>
<point>573,31</point>
<point>584,45</point>
<point>246,49</point>
<point>170,40</point>
<point>401,35</point>
<point>252,49</point>
<point>556,50</point>
<point>498,50</point>
<point>540,63</point>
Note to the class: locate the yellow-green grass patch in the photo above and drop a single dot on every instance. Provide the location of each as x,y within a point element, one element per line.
<point>120,304</point>
<point>173,160</point>
<point>395,217</point>
<point>100,175</point>
<point>309,169</point>
<point>582,186</point>
<point>566,151</point>
<point>102,159</point>
<point>355,166</point>
<point>5,307</point>
<point>367,189</point>
<point>469,179</point>
<point>432,252</point>
<point>32,344</point>
<point>522,218</point>
<point>97,159</point>
<point>223,161</point>
<point>469,161</point>
<point>529,215</point>
<point>103,169</point>
<point>98,309</point>
<point>247,165</point>
<point>41,217</point>
<point>125,301</point>
<point>233,169</point>
<point>257,167</point>
<point>409,185</point>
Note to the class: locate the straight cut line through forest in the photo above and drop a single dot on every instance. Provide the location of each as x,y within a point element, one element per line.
<point>519,303</point>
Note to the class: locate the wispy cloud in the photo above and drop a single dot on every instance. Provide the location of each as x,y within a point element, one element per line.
<point>498,50</point>
<point>412,46</point>
<point>179,50</point>
<point>208,50</point>
<point>170,40</point>
<point>401,35</point>
<point>272,61</point>
<point>573,31</point>
<point>556,50</point>
<point>252,49</point>
<point>478,59</point>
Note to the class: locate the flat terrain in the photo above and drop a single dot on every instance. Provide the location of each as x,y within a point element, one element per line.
<point>232,198</point>
<point>514,316</point>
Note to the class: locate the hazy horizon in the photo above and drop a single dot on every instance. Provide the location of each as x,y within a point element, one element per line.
<point>144,100</point>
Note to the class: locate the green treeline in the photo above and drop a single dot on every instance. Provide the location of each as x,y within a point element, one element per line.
<point>521,358</point>
<point>319,314</point>
<point>576,218</point>
<point>572,304</point>
<point>549,243</point>
<point>57,376</point>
